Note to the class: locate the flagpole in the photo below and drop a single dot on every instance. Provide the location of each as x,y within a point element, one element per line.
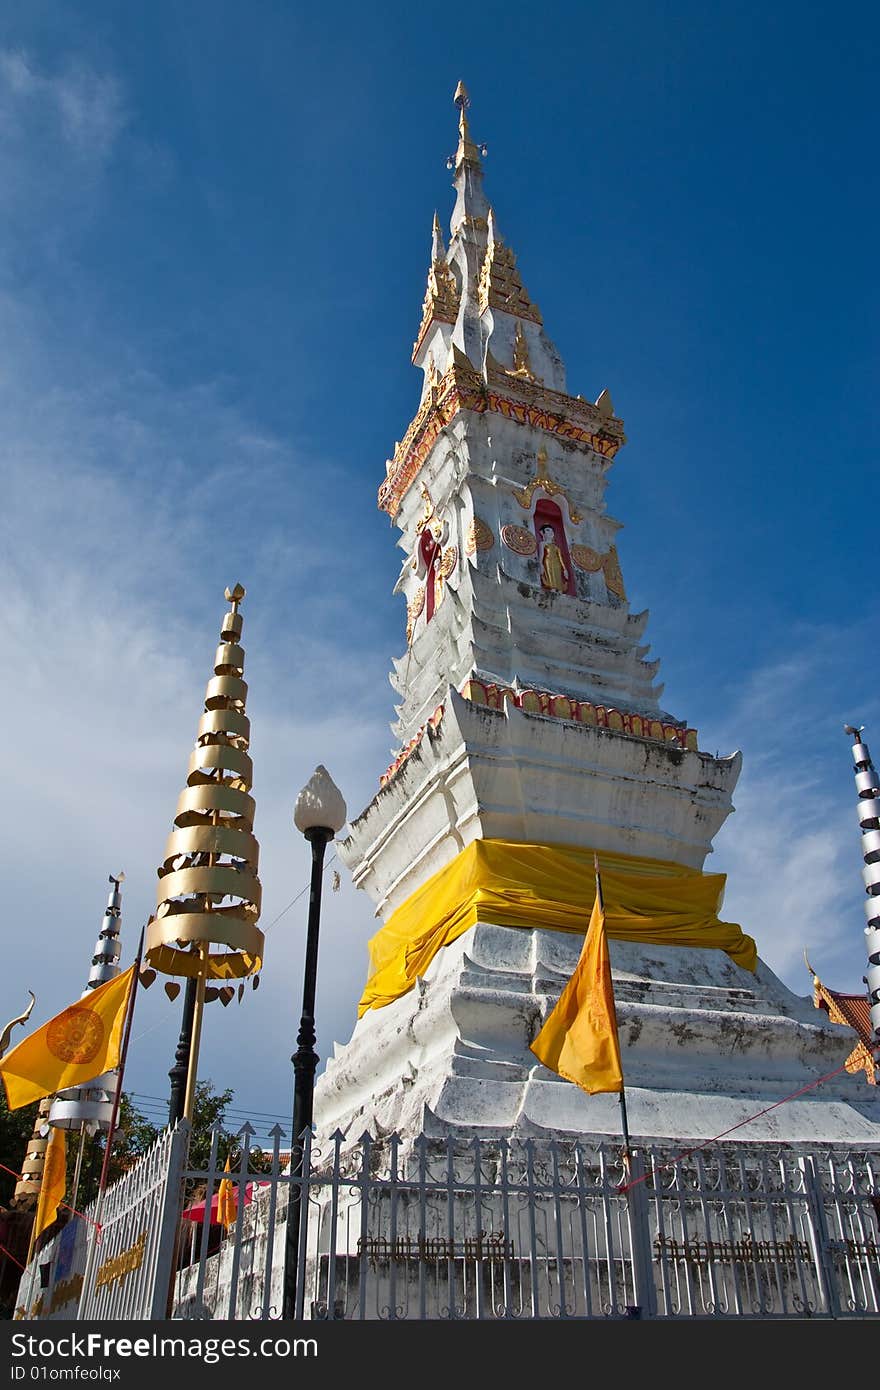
<point>79,1158</point>
<point>111,1132</point>
<point>622,1093</point>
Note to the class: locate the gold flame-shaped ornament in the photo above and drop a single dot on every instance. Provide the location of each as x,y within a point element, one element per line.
<point>209,894</point>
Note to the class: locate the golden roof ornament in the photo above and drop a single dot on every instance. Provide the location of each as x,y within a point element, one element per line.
<point>500,286</point>
<point>442,293</point>
<point>14,1022</point>
<point>209,895</point>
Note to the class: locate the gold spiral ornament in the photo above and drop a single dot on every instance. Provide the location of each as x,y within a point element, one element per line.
<point>209,893</point>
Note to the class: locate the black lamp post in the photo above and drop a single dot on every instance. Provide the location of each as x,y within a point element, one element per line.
<point>180,1070</point>
<point>319,813</point>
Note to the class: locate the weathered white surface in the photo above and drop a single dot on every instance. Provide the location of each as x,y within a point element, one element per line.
<point>496,621</point>
<point>705,1046</point>
<point>491,774</point>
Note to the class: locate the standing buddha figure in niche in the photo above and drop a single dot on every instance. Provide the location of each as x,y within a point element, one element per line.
<point>554,574</point>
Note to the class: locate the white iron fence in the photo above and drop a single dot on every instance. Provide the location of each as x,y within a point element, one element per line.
<point>442,1228</point>
<point>115,1263</point>
<point>523,1229</point>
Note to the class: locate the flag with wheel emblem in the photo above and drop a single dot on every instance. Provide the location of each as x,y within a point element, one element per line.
<point>71,1049</point>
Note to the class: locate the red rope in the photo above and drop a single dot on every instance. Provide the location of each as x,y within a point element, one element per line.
<point>20,1176</point>
<point>4,1251</point>
<point>625,1186</point>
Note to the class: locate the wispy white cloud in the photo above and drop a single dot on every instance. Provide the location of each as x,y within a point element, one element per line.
<point>84,108</point>
<point>792,849</point>
<point>58,134</point>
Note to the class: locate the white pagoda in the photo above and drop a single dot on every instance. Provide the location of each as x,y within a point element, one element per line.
<point>531,736</point>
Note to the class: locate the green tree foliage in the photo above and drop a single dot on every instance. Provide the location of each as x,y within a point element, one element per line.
<point>134,1135</point>
<point>209,1113</point>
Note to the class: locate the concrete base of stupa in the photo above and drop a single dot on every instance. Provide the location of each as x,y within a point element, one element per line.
<point>705,1045</point>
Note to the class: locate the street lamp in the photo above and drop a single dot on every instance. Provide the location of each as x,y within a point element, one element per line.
<point>320,813</point>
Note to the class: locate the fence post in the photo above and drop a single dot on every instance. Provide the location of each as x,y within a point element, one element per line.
<point>169,1225</point>
<point>640,1235</point>
<point>819,1235</point>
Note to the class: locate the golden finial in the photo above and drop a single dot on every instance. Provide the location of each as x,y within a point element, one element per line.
<point>235,595</point>
<point>467,150</point>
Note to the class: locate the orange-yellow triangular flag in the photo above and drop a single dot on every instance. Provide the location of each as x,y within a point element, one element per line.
<point>227,1200</point>
<point>54,1183</point>
<point>579,1038</point>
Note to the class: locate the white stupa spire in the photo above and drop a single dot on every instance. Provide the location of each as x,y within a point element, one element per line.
<point>92,1105</point>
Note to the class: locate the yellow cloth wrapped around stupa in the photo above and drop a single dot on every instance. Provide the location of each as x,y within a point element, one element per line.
<point>553,887</point>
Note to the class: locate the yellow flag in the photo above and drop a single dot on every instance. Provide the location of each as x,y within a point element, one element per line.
<point>53,1184</point>
<point>579,1038</point>
<point>227,1200</point>
<point>72,1048</point>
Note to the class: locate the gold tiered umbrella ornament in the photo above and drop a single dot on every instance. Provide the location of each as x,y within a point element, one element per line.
<point>209,895</point>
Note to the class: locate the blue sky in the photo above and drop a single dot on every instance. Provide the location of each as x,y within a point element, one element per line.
<point>215,232</point>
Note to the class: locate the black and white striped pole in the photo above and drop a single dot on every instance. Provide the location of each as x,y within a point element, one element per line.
<point>868,791</point>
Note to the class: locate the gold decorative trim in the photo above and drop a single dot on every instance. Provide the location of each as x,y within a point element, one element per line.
<point>413,610</point>
<point>500,285</point>
<point>479,537</point>
<point>428,513</point>
<point>463,389</point>
<point>519,540</point>
<point>442,298</point>
<point>430,727</point>
<point>448,561</point>
<point>579,711</point>
<point>522,366</point>
<point>613,576</point>
<point>587,559</point>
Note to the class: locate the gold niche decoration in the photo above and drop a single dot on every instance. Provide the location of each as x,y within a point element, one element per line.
<point>519,540</point>
<point>429,516</point>
<point>479,537</point>
<point>448,561</point>
<point>612,572</point>
<point>587,559</point>
<point>413,609</point>
<point>209,892</point>
<point>546,484</point>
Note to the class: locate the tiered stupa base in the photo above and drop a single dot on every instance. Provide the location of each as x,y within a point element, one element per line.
<point>706,1045</point>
